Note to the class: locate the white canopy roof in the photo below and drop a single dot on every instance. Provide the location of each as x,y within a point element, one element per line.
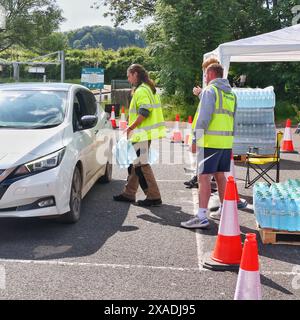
<point>280,45</point>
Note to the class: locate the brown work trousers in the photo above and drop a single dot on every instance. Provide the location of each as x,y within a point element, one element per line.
<point>140,173</point>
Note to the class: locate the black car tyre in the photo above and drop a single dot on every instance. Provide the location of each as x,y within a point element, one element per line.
<point>75,199</point>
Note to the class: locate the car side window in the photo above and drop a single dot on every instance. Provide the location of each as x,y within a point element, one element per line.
<point>89,102</point>
<point>77,114</point>
<point>84,105</point>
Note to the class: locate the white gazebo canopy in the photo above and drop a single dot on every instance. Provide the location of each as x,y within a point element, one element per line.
<point>280,45</point>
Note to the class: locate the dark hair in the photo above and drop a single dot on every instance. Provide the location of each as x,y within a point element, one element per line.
<point>217,69</point>
<point>143,76</point>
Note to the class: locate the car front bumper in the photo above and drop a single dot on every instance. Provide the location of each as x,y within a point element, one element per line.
<point>21,197</point>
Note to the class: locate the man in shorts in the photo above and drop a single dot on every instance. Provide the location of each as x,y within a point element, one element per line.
<point>214,137</point>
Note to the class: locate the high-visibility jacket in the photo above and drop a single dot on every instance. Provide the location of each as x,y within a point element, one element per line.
<point>219,134</point>
<point>194,126</point>
<point>153,127</point>
<point>195,119</point>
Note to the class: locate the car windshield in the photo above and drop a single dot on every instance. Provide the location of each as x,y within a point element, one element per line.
<point>32,109</point>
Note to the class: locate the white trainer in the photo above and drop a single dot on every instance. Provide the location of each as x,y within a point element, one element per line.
<point>216,214</point>
<point>195,223</point>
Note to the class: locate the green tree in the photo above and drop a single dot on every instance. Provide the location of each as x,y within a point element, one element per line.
<point>124,10</point>
<point>56,41</point>
<point>178,40</point>
<point>109,38</point>
<point>29,22</point>
<point>117,68</point>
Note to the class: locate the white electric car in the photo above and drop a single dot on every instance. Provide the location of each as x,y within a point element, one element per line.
<point>55,143</point>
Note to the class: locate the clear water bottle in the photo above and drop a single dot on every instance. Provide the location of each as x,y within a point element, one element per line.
<point>292,215</point>
<point>297,218</point>
<point>282,211</point>
<point>263,99</point>
<point>264,214</point>
<point>274,211</point>
<point>268,210</point>
<point>239,97</point>
<point>257,206</point>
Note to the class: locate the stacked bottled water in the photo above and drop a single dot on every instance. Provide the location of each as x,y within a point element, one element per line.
<point>278,206</point>
<point>255,98</point>
<point>254,120</point>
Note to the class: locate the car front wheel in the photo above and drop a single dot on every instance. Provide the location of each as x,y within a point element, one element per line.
<point>75,199</point>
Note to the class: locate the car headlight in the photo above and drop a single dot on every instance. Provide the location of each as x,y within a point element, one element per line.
<point>42,164</point>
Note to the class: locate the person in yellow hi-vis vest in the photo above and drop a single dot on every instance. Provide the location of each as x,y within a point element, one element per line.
<point>146,123</point>
<point>214,139</point>
<point>197,91</point>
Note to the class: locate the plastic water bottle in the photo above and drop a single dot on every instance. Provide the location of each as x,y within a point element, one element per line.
<point>297,218</point>
<point>292,215</point>
<point>257,206</point>
<point>271,97</point>
<point>268,210</point>
<point>282,212</point>
<point>274,211</point>
<point>265,212</point>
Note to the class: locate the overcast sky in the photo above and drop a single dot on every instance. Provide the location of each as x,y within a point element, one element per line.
<point>79,14</point>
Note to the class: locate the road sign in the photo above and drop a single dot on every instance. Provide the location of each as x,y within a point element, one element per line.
<point>92,78</point>
<point>36,70</point>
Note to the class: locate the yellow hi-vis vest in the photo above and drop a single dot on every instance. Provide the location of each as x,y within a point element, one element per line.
<point>219,134</point>
<point>195,119</point>
<point>153,127</point>
<point>194,126</point>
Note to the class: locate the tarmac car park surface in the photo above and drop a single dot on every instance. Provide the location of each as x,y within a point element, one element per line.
<point>121,251</point>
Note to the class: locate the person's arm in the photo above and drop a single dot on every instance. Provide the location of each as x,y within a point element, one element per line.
<point>143,112</point>
<point>137,122</point>
<point>207,108</point>
<point>197,91</point>
<point>235,108</point>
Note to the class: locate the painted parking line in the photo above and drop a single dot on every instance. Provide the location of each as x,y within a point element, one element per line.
<point>94,265</point>
<point>125,266</point>
<point>199,239</point>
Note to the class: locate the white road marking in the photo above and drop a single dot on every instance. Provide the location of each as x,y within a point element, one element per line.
<point>89,264</point>
<point>277,273</point>
<point>127,266</point>
<point>199,241</point>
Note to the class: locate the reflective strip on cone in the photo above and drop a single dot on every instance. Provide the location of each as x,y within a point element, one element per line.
<point>248,286</point>
<point>287,139</point>
<point>229,226</point>
<point>287,134</point>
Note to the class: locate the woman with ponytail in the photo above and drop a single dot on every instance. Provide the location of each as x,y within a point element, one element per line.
<point>146,123</point>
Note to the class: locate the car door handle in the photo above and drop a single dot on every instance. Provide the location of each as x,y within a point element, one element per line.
<point>96,131</point>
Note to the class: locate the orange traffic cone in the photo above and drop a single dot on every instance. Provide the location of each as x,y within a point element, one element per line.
<point>123,122</point>
<point>188,131</point>
<point>240,203</point>
<point>176,134</point>
<point>228,249</point>
<point>248,283</point>
<point>113,118</point>
<point>288,146</point>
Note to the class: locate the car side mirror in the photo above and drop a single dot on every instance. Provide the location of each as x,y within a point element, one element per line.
<point>88,122</point>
